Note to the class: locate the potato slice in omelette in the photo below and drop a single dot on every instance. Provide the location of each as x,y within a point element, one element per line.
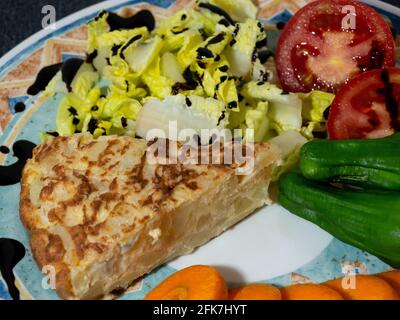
<point>102,215</point>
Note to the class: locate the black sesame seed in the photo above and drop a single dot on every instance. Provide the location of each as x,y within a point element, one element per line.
<point>188,102</point>
<point>240,97</point>
<point>92,126</point>
<point>326,113</point>
<point>19,107</point>
<point>260,83</point>
<point>376,60</point>
<point>232,42</point>
<point>95,108</point>
<point>217,58</point>
<point>124,122</point>
<point>254,56</point>
<point>232,105</point>
<point>183,17</point>
<point>280,25</point>
<point>203,34</point>
<point>75,121</point>
<point>4,150</point>
<point>73,111</point>
<point>223,78</point>
<point>223,68</point>
<point>259,25</point>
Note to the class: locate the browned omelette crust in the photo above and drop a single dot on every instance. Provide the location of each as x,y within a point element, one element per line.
<point>83,200</point>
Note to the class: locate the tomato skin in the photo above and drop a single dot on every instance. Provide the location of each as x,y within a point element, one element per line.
<point>303,40</point>
<point>368,106</point>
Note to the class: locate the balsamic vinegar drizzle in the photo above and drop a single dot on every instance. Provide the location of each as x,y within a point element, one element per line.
<point>11,174</point>
<point>19,107</point>
<point>143,18</point>
<point>264,55</point>
<point>218,11</point>
<point>53,133</point>
<point>11,252</point>
<point>115,49</point>
<point>91,56</point>
<point>43,78</point>
<point>280,25</point>
<point>218,38</point>
<point>69,70</point>
<point>203,53</point>
<point>131,41</point>
<point>4,150</point>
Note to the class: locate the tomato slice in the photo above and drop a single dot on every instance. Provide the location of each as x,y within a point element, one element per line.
<point>321,47</point>
<point>368,106</point>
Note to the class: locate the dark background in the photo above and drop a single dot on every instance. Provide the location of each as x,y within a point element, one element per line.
<point>21,18</point>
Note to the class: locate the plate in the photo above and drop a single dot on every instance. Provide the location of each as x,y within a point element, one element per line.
<point>271,246</point>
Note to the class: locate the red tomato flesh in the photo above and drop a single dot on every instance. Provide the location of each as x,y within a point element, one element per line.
<point>368,106</point>
<point>320,49</point>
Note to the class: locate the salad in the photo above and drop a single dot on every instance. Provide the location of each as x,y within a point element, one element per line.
<point>204,67</point>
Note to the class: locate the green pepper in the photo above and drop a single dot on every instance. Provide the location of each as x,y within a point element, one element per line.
<point>373,163</point>
<point>366,219</point>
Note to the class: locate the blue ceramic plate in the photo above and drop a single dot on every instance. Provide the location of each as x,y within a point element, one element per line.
<point>271,246</point>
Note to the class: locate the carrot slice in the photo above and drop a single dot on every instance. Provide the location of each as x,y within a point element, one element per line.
<point>363,287</point>
<point>255,292</point>
<point>393,278</point>
<point>193,283</point>
<point>309,291</point>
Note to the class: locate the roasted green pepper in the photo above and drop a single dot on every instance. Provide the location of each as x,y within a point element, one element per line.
<point>366,219</point>
<point>373,163</point>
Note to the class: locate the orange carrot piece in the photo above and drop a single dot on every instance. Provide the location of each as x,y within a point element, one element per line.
<point>255,292</point>
<point>309,291</point>
<point>363,287</point>
<point>193,283</point>
<point>393,278</point>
